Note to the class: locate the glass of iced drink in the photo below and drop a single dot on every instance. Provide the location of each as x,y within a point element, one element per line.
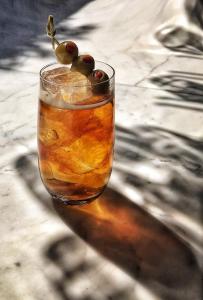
<point>75,132</point>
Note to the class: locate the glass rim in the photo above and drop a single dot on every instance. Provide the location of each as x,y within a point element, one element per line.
<point>72,84</point>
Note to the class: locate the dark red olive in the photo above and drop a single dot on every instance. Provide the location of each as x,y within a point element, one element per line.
<point>83,64</point>
<point>100,82</point>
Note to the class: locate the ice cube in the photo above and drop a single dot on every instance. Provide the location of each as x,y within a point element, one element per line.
<point>63,174</point>
<point>94,180</point>
<point>61,86</point>
<point>78,90</point>
<point>48,136</point>
<point>56,76</point>
<point>51,79</point>
<point>46,169</point>
<point>105,114</point>
<point>55,130</point>
<point>83,155</point>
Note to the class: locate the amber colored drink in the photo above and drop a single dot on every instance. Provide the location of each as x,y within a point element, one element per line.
<point>75,143</point>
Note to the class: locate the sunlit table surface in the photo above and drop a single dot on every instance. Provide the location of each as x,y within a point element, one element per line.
<point>142,238</point>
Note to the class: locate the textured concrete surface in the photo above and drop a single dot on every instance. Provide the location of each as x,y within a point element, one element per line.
<point>143,238</point>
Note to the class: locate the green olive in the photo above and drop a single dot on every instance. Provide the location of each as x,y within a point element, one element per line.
<point>83,64</point>
<point>66,52</point>
<point>100,82</point>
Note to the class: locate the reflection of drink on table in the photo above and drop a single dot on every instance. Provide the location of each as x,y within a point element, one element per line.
<point>75,136</point>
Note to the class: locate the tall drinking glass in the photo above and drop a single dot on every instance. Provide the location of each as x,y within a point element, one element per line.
<point>75,133</point>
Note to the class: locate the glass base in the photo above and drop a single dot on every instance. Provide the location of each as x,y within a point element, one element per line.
<point>66,201</point>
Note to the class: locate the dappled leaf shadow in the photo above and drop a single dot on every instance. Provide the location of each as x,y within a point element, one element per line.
<point>178,154</point>
<point>166,168</point>
<point>122,232</point>
<point>68,254</point>
<point>22,26</point>
<point>182,31</point>
<point>27,167</point>
<point>183,87</point>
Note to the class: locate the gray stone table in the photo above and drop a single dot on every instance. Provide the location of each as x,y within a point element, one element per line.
<point>142,239</point>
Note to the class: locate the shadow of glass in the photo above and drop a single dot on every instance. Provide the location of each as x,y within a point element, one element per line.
<point>22,26</point>
<point>136,242</point>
